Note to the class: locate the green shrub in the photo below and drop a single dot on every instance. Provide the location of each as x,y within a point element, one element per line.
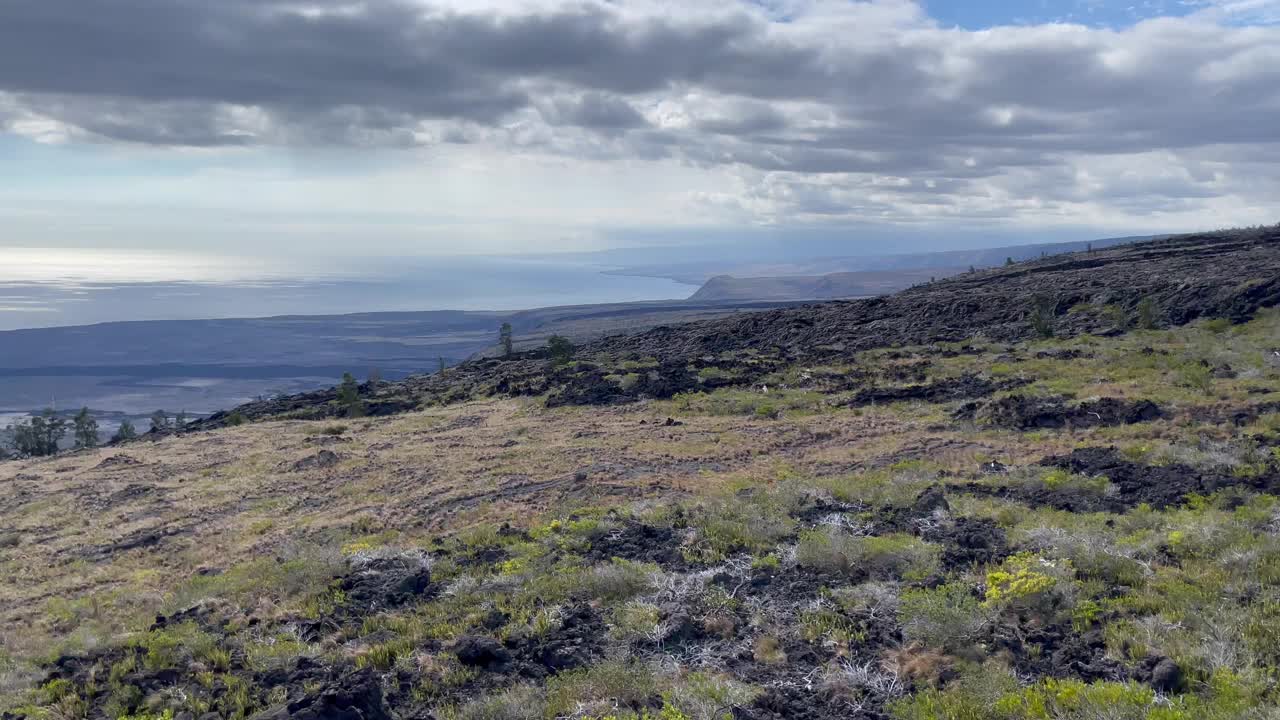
<point>1196,375</point>
<point>714,373</point>
<point>1024,577</point>
<point>891,556</point>
<point>1031,586</point>
<point>705,696</point>
<point>1227,697</point>
<point>1072,700</point>
<point>1217,326</point>
<point>596,690</point>
<point>768,411</point>
<point>932,704</point>
<point>380,657</point>
<point>522,702</point>
<point>166,715</point>
<point>616,581</point>
<point>948,617</point>
<point>1116,317</point>
<point>773,404</point>
<point>970,697</point>
<point>175,646</point>
<point>1062,480</point>
<point>895,486</point>
<point>754,523</point>
<point>635,621</point>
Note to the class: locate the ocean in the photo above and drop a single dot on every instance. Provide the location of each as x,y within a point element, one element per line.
<point>50,288</point>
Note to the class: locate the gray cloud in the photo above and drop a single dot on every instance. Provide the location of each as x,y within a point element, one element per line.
<point>971,114</point>
<point>593,110</point>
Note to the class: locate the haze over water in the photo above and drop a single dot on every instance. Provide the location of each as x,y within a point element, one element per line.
<point>57,287</point>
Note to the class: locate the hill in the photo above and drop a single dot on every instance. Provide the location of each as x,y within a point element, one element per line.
<point>1043,491</point>
<point>724,288</point>
<point>1175,281</point>
<point>785,263</point>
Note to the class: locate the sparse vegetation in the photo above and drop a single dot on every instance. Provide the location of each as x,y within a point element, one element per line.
<point>686,557</point>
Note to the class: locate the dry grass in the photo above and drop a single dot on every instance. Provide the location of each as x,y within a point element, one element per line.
<point>109,534</point>
<point>211,501</point>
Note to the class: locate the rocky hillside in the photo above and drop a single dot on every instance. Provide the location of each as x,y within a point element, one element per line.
<point>1164,283</point>
<point>725,288</point>
<point>1050,491</point>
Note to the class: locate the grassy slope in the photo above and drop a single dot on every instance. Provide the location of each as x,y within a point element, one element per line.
<point>788,555</point>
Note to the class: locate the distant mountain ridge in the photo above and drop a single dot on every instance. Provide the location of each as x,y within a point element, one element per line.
<point>726,288</point>
<point>698,273</point>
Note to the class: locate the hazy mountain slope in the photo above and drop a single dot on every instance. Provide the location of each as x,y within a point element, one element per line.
<point>817,287</point>
<point>727,262</point>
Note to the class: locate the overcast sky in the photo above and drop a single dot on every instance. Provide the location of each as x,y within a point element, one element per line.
<point>389,126</point>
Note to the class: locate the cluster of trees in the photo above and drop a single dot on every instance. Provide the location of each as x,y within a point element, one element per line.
<point>43,435</point>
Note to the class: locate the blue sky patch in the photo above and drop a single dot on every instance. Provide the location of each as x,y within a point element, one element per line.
<point>978,14</point>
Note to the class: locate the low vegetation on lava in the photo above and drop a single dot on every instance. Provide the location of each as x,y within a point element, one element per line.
<point>1077,521</point>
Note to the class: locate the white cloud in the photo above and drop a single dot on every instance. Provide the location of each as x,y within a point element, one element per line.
<point>551,120</point>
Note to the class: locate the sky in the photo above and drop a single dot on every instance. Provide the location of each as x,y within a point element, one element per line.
<point>317,128</point>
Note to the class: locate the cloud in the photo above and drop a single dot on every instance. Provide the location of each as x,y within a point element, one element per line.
<point>818,109</point>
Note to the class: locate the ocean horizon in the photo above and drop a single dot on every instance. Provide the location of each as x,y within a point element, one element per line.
<point>64,287</point>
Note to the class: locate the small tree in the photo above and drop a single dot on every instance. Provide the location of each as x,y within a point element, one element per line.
<point>375,378</point>
<point>1147,314</point>
<point>560,349</point>
<point>85,429</point>
<point>1008,261</point>
<point>1044,315</point>
<point>160,421</point>
<point>26,441</point>
<point>349,396</point>
<point>125,432</point>
<point>504,339</point>
<point>442,365</point>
